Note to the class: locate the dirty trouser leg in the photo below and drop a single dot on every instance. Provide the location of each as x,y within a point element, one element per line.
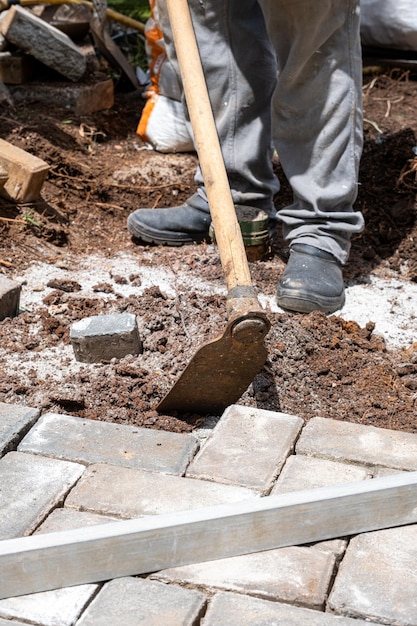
<point>240,70</point>
<point>317,124</point>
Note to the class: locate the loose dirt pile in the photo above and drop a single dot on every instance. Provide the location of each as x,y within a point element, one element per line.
<point>75,258</point>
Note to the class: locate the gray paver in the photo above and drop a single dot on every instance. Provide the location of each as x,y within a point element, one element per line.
<point>128,493</point>
<point>88,441</point>
<point>69,519</point>
<point>9,296</point>
<point>104,337</point>
<point>15,421</point>
<point>367,445</point>
<point>229,609</point>
<point>247,448</point>
<point>134,601</point>
<point>295,575</point>
<point>378,577</point>
<point>303,472</point>
<point>49,608</point>
<point>30,486</point>
<point>6,622</point>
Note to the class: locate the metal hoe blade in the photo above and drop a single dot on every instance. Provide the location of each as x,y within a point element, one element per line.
<point>222,369</point>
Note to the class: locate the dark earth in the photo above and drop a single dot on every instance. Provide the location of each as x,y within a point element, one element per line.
<point>317,365</point>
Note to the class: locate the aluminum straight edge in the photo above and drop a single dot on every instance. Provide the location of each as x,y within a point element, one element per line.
<point>139,546</point>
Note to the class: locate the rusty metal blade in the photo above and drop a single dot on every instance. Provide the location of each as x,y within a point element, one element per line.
<point>222,369</point>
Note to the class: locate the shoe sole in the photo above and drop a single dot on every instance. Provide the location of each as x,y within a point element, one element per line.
<point>303,304</point>
<point>165,238</point>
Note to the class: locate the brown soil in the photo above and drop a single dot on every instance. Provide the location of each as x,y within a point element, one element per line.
<point>317,366</point>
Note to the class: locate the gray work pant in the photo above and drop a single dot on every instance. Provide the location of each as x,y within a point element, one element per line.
<point>287,74</point>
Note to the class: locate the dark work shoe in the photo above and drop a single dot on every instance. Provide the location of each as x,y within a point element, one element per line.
<point>185,224</point>
<point>312,281</point>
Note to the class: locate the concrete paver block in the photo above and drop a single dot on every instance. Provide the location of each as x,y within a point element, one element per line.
<point>104,337</point>
<point>88,441</point>
<point>367,445</point>
<point>16,68</point>
<point>31,486</point>
<point>378,577</point>
<point>15,421</point>
<point>230,609</point>
<point>134,602</point>
<point>128,493</point>
<point>295,575</point>
<point>78,98</point>
<point>69,519</point>
<point>247,447</point>
<point>49,608</point>
<point>303,472</point>
<point>9,297</point>
<point>26,173</point>
<point>44,42</point>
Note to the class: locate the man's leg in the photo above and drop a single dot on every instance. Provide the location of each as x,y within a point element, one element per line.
<point>317,130</point>
<point>240,70</point>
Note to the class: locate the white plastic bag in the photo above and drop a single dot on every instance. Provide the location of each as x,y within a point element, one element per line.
<point>389,24</point>
<point>162,123</point>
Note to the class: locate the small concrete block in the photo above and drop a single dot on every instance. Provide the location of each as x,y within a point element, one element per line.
<point>31,486</point>
<point>104,337</point>
<point>134,601</point>
<point>9,297</point>
<point>367,445</point>
<point>77,98</point>
<point>230,609</point>
<point>70,519</point>
<point>304,472</point>
<point>15,421</point>
<point>44,42</point>
<point>88,441</point>
<point>248,447</point>
<point>26,173</point>
<point>377,579</point>
<point>295,575</point>
<point>127,493</point>
<point>16,68</point>
<point>50,608</point>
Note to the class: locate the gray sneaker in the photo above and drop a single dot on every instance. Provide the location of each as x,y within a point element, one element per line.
<point>185,224</point>
<point>312,281</point>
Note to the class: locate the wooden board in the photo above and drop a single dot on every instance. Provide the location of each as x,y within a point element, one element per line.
<point>138,546</point>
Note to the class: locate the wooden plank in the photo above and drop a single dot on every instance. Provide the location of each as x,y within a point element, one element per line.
<point>138,546</point>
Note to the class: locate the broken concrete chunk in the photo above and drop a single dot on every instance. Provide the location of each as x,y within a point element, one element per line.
<point>43,41</point>
<point>105,337</point>
<point>9,297</point>
<point>26,173</point>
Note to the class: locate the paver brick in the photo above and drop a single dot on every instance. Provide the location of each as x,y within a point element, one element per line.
<point>303,472</point>
<point>247,447</point>
<point>230,609</point>
<point>31,486</point>
<point>104,337</point>
<point>134,602</point>
<point>128,493</point>
<point>15,421</point>
<point>378,577</point>
<point>295,575</point>
<point>88,441</point>
<point>44,42</point>
<point>366,445</point>
<point>26,173</point>
<point>9,296</point>
<point>82,98</point>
